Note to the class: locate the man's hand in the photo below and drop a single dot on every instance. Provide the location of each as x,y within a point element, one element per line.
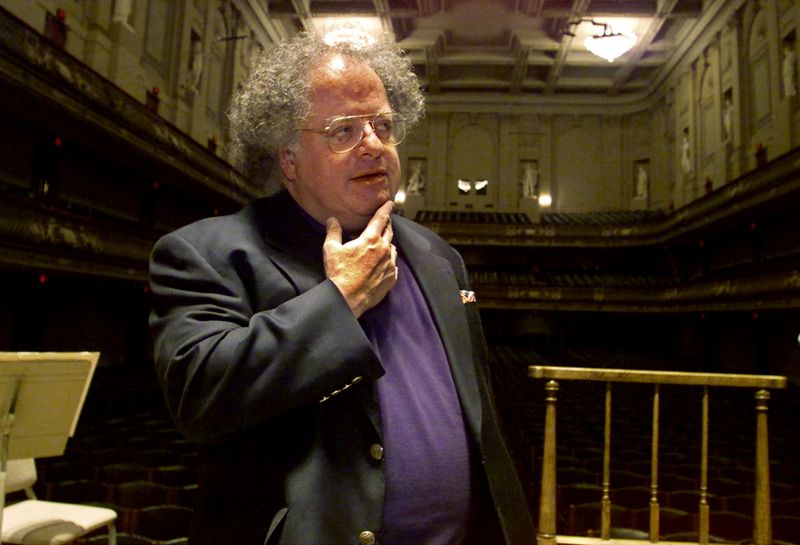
<point>363,269</point>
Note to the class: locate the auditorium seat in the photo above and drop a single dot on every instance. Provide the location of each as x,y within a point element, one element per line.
<point>631,497</point>
<point>576,475</point>
<point>80,491</point>
<point>670,521</point>
<point>122,539</point>
<point>691,537</point>
<point>728,487</point>
<point>175,475</point>
<point>574,494</point>
<point>783,491</point>
<point>642,467</point>
<point>141,494</point>
<point>110,455</point>
<point>130,498</point>
<point>787,507</point>
<point>187,495</point>
<point>122,472</point>
<point>786,528</point>
<point>584,519</point>
<point>738,503</point>
<point>729,525</point>
<point>738,473</point>
<point>164,522</point>
<point>628,533</point>
<point>625,479</point>
<point>673,482</point>
<point>688,500</point>
<point>156,457</point>
<point>176,541</point>
<point>64,470</point>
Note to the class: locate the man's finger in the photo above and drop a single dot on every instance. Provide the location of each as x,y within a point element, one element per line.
<point>388,232</point>
<point>333,230</point>
<point>380,219</point>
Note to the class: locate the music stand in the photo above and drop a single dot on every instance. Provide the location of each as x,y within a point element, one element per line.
<point>41,397</point>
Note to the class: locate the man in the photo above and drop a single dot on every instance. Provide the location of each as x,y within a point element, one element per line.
<point>327,353</point>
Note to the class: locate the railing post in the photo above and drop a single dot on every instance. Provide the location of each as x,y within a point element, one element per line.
<point>547,501</point>
<point>605,517</point>
<point>654,507</point>
<point>703,507</point>
<point>762,517</point>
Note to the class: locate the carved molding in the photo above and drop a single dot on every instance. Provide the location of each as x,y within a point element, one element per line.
<point>44,239</point>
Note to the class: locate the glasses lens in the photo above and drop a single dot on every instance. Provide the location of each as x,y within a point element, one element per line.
<point>345,133</point>
<point>390,128</point>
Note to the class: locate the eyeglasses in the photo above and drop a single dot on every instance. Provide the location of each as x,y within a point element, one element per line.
<point>344,133</point>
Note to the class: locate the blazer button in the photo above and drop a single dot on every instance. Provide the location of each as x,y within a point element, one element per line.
<point>366,538</point>
<point>376,451</point>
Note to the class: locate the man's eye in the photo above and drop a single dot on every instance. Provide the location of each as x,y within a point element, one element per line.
<point>383,126</point>
<point>342,132</point>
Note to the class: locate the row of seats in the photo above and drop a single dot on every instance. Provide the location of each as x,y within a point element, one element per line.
<point>449,216</point>
<point>512,279</point>
<point>622,217</point>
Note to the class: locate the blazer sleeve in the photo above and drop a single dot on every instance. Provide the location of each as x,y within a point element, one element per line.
<point>236,343</point>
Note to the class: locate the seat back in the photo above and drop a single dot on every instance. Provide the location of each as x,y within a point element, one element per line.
<point>21,475</point>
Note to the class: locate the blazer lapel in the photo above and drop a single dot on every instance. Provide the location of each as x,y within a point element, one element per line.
<point>286,228</point>
<point>437,281</point>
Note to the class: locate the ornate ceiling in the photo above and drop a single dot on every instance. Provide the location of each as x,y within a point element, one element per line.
<point>519,48</point>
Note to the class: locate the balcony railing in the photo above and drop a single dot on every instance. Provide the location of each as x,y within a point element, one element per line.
<point>762,520</point>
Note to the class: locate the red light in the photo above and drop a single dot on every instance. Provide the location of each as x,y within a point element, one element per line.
<point>43,279</point>
<point>146,288</point>
<point>755,316</point>
<point>753,226</point>
<point>61,14</point>
<point>57,141</point>
<point>156,185</point>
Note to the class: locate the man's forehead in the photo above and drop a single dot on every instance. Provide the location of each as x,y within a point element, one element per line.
<point>335,67</point>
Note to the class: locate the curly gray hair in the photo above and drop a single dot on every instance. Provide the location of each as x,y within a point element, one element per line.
<point>265,114</point>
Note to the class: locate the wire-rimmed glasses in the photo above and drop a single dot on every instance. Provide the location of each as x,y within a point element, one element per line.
<point>344,133</point>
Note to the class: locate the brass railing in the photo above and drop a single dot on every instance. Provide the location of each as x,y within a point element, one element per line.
<point>762,520</point>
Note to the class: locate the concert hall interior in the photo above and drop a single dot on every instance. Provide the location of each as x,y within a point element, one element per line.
<point>635,214</point>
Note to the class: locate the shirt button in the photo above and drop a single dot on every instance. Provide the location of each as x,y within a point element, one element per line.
<point>366,538</point>
<point>376,451</point>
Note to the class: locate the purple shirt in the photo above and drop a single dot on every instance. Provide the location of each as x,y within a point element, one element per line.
<point>428,492</point>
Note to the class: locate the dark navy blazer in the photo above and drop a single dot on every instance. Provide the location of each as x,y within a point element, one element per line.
<point>262,361</point>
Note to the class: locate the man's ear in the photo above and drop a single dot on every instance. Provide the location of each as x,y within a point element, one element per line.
<point>286,160</point>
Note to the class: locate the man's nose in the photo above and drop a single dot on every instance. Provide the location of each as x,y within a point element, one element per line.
<point>370,140</point>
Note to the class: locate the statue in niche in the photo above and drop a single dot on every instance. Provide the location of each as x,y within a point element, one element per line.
<point>727,119</point>
<point>195,63</point>
<point>789,64</point>
<point>122,12</point>
<point>530,180</point>
<point>416,182</point>
<point>686,154</point>
<point>642,182</point>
